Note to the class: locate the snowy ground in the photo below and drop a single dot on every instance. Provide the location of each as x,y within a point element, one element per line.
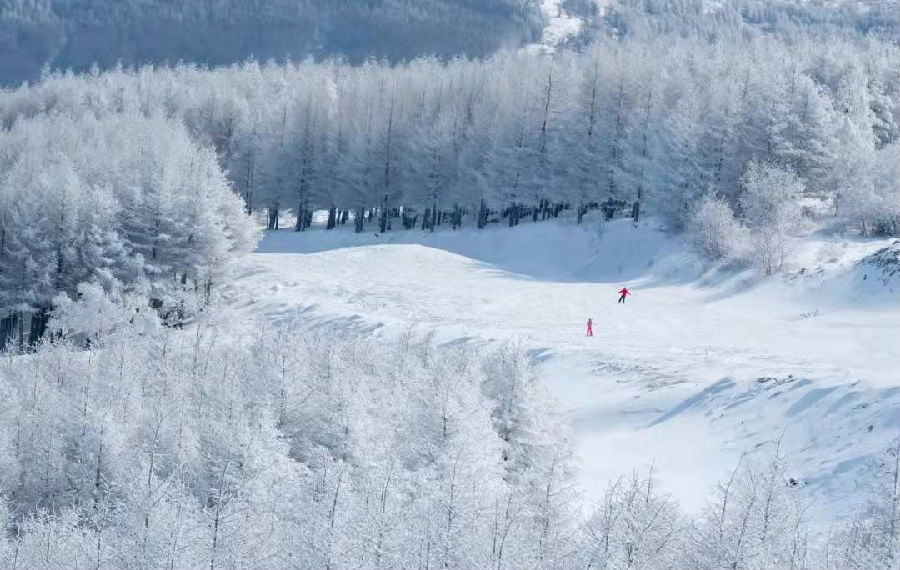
<point>695,370</point>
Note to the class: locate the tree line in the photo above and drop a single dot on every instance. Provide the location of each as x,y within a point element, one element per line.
<point>660,123</point>
<point>736,18</point>
<point>61,34</point>
<point>728,139</point>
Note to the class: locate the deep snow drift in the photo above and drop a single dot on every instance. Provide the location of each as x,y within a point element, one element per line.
<point>696,369</point>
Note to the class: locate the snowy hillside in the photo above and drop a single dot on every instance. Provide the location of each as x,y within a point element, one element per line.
<point>696,369</point>
<point>458,284</point>
<point>64,34</point>
<point>715,19</point>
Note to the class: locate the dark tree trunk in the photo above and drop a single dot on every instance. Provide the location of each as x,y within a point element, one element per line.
<point>409,222</point>
<point>307,216</point>
<point>10,332</point>
<point>636,211</point>
<point>5,331</point>
<point>383,222</point>
<point>332,218</point>
<point>39,322</point>
<point>273,217</point>
<point>304,216</point>
<point>359,220</point>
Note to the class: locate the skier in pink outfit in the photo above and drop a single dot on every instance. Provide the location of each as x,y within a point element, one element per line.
<point>624,292</point>
<point>590,331</point>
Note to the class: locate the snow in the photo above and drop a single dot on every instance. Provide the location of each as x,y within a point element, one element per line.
<point>560,27</point>
<point>697,368</point>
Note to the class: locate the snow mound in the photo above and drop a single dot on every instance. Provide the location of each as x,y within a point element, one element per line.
<point>558,251</point>
<point>860,274</point>
<point>883,265</point>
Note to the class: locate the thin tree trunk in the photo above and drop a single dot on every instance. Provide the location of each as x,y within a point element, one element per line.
<point>383,219</point>
<point>359,220</point>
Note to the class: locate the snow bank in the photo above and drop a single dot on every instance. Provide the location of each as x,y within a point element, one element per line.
<point>550,251</point>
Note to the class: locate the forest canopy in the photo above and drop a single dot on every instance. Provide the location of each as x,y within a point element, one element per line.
<point>67,34</point>
<point>665,122</point>
<point>139,162</point>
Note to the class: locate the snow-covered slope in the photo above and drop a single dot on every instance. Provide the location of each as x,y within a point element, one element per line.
<point>63,34</point>
<point>560,26</point>
<point>696,369</point>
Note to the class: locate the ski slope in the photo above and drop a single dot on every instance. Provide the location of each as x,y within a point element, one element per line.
<point>696,369</point>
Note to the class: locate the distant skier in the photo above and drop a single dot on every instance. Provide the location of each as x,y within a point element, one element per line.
<point>590,331</point>
<point>624,292</point>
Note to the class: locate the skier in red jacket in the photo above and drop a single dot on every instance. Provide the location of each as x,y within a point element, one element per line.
<point>624,292</point>
<point>590,331</point>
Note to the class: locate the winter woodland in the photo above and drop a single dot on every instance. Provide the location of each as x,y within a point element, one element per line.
<point>143,427</point>
<point>62,34</point>
<point>663,126</point>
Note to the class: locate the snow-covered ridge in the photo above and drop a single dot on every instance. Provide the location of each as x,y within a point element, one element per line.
<point>885,264</point>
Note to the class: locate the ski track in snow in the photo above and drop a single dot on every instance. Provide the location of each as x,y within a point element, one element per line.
<point>693,371</point>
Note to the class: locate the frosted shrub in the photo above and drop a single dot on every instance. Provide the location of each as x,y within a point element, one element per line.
<point>770,209</point>
<point>95,312</point>
<point>714,232</point>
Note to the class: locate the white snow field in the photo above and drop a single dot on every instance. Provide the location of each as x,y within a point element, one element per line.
<point>696,369</point>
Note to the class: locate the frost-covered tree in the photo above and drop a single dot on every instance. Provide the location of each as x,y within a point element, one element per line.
<point>714,232</point>
<point>871,538</point>
<point>157,446</point>
<point>757,519</point>
<point>770,208</point>
<point>634,526</point>
<point>671,119</point>
<point>121,200</point>
<point>867,187</point>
